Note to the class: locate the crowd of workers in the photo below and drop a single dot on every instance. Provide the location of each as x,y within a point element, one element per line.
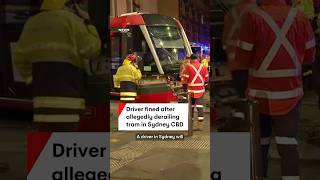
<point>267,46</point>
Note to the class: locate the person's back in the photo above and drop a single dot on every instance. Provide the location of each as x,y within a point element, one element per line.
<point>271,58</point>
<point>51,53</point>
<point>275,41</point>
<point>59,35</point>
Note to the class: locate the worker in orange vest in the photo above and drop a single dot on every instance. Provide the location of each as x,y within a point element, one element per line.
<point>232,24</point>
<point>196,76</point>
<point>275,41</point>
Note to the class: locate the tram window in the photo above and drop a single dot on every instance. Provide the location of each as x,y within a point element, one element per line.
<point>138,45</point>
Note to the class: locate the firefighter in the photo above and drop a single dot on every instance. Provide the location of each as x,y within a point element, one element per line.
<point>50,54</point>
<point>128,75</point>
<point>184,64</point>
<point>232,24</point>
<point>275,41</point>
<point>196,76</point>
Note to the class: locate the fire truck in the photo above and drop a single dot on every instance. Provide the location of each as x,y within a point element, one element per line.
<point>161,45</point>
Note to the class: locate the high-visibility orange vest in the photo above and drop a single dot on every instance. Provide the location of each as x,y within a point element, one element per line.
<point>196,75</point>
<point>274,51</point>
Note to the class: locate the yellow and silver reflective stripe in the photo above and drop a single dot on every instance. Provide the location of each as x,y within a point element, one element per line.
<point>56,118</point>
<point>286,140</point>
<point>134,94</point>
<point>245,46</point>
<point>185,75</point>
<point>276,94</point>
<point>47,46</point>
<point>59,102</point>
<point>196,91</point>
<point>275,73</point>
<point>200,118</point>
<point>310,44</point>
<point>127,99</point>
<point>196,84</point>
<point>265,141</point>
<point>198,106</point>
<point>290,177</point>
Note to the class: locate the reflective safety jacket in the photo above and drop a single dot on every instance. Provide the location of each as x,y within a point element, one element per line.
<point>196,75</point>
<point>128,75</point>
<point>51,53</point>
<point>305,6</point>
<point>232,24</point>
<point>205,62</point>
<point>275,41</point>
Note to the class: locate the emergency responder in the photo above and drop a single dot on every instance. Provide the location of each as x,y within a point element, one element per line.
<point>184,64</point>
<point>205,61</point>
<point>51,53</point>
<point>275,41</point>
<point>305,6</point>
<point>196,76</point>
<point>128,75</point>
<point>232,24</point>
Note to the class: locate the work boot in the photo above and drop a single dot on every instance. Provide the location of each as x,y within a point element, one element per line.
<point>199,126</point>
<point>4,167</point>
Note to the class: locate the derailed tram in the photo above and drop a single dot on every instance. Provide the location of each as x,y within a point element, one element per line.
<point>161,44</point>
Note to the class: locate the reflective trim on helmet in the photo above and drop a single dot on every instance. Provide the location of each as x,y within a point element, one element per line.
<point>59,102</point>
<point>56,118</point>
<point>276,94</point>
<point>286,141</point>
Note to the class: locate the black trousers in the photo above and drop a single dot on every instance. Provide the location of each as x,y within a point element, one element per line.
<point>197,103</point>
<point>286,132</point>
